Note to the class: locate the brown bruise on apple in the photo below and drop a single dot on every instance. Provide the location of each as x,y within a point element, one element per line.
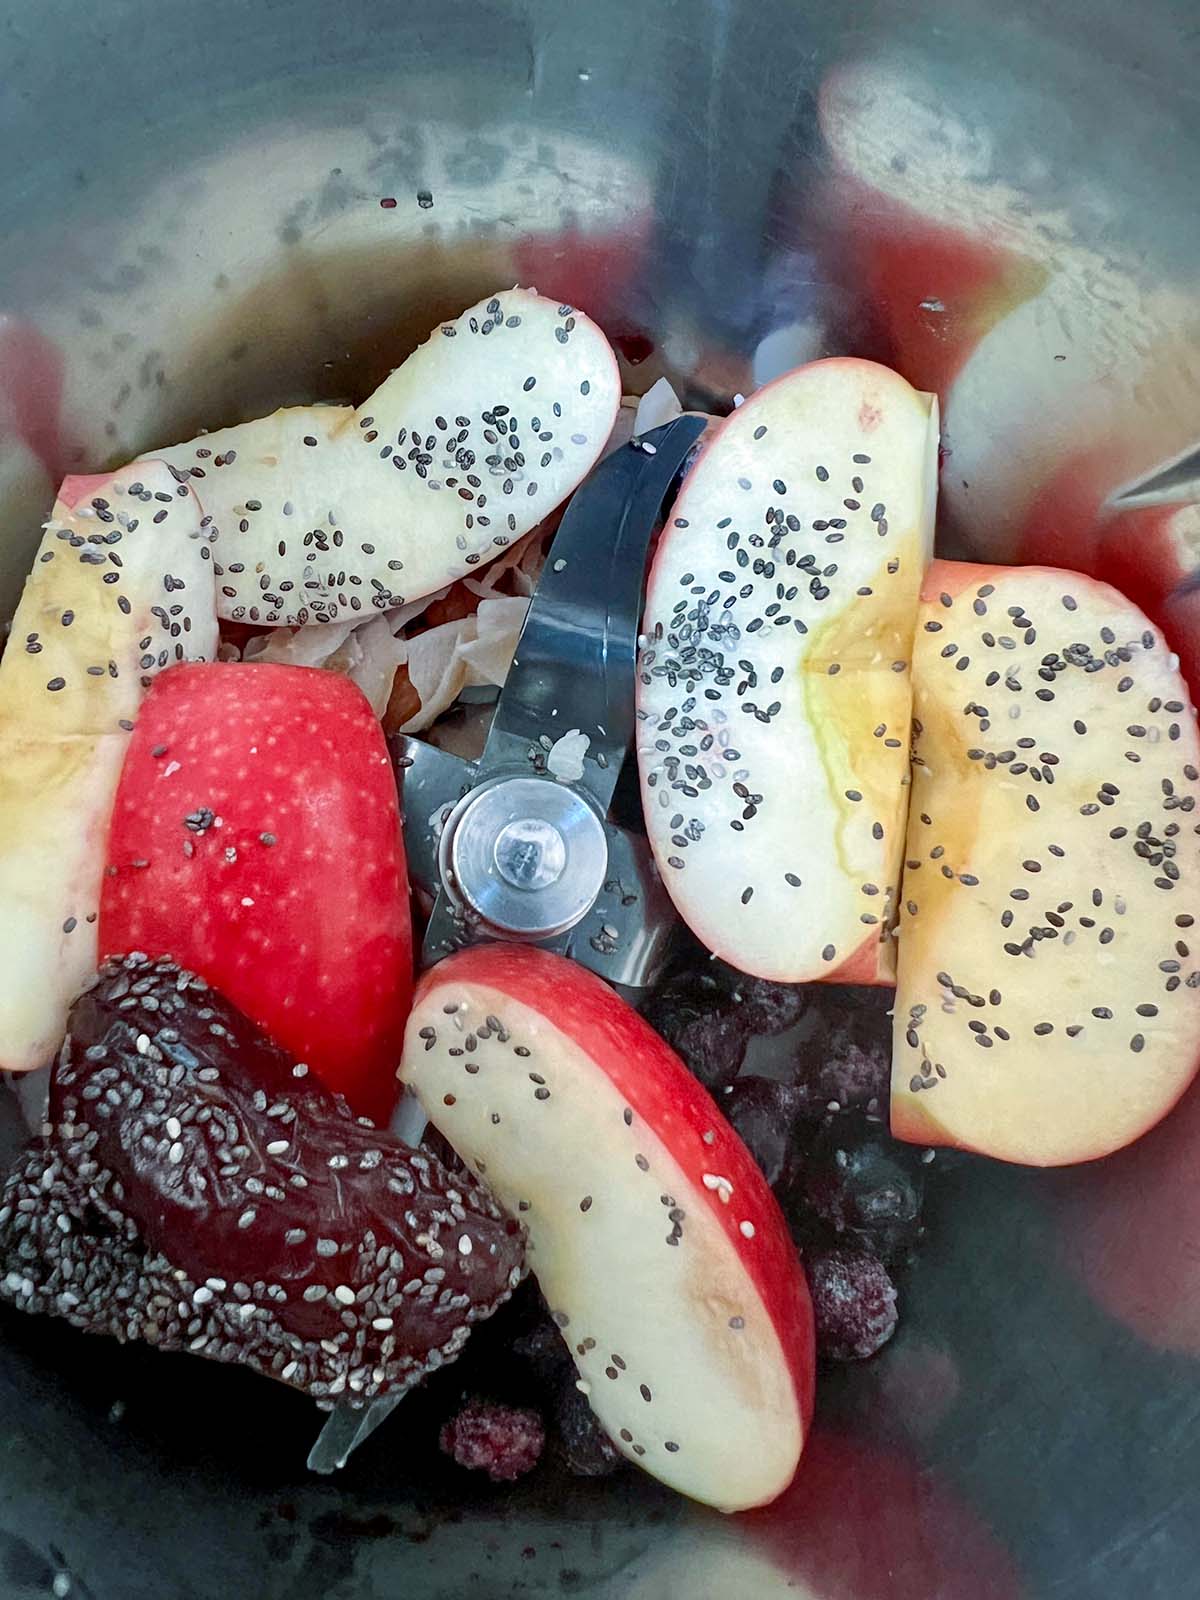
<point>1048,1001</point>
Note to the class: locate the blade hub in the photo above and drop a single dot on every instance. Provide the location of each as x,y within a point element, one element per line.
<point>527,856</point>
<point>530,854</point>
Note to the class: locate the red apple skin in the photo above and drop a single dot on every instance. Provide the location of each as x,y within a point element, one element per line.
<point>80,485</point>
<point>1129,1230</point>
<point>662,1092</point>
<point>868,965</point>
<point>1137,555</point>
<point>861,1522</point>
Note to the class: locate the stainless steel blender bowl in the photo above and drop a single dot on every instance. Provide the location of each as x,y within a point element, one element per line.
<point>209,211</point>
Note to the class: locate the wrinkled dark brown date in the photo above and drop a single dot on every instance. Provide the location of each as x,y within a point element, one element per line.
<point>201,1191</point>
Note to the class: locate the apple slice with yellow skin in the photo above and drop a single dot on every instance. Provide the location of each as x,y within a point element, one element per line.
<point>660,1249</point>
<point>1047,1005</point>
<point>122,587</point>
<point>774,700</point>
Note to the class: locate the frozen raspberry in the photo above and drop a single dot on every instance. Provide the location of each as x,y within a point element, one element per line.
<point>704,1026</point>
<point>854,1302</point>
<point>771,1008</point>
<point>764,1114</point>
<point>847,1059</point>
<point>856,1068</point>
<point>584,1447</point>
<point>506,1442</point>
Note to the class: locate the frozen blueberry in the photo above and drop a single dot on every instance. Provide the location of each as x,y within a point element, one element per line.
<point>541,1346</point>
<point>581,1443</point>
<point>854,1302</point>
<point>846,1059</point>
<point>506,1442</point>
<point>705,1027</point>
<point>764,1114</point>
<point>856,1067</point>
<point>770,1008</point>
<point>867,1193</point>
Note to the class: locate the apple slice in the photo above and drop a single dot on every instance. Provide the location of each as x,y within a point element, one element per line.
<point>256,840</point>
<point>936,246</point>
<point>774,699</point>
<point>655,1239</point>
<point>122,587</point>
<point>323,511</point>
<point>1047,1008</point>
<point>1147,551</point>
<point>1089,384</point>
<point>1054,362</point>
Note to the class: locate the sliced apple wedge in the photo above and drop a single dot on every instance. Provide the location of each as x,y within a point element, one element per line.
<point>122,587</point>
<point>660,1250</point>
<point>774,697</point>
<point>323,511</point>
<point>1048,999</point>
<point>1147,551</point>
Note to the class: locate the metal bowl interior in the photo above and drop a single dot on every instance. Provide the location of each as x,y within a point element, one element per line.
<point>205,214</point>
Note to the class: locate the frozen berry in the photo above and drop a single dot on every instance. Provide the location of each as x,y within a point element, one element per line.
<point>854,1302</point>
<point>856,1069</point>
<point>584,1447</point>
<point>506,1442</point>
<point>541,1346</point>
<point>846,1060</point>
<point>771,1008</point>
<point>764,1115</point>
<point>869,1194</point>
<point>704,1026</point>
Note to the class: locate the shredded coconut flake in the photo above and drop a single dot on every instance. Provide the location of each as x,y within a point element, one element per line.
<point>565,757</point>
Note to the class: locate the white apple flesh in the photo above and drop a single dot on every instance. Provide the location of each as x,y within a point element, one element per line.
<point>122,587</point>
<point>323,512</point>
<point>658,1245</point>
<point>1048,999</point>
<point>774,694</point>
